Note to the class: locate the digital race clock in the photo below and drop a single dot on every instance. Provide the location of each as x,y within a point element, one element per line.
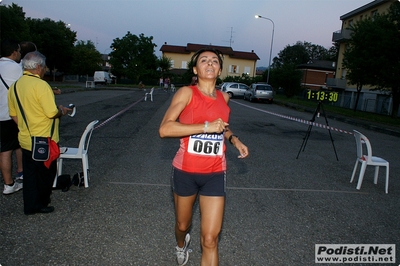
<point>330,96</point>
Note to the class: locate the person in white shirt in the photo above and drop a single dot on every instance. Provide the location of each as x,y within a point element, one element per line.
<point>10,71</point>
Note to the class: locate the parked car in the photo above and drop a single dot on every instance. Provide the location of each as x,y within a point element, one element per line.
<point>234,89</point>
<point>259,92</point>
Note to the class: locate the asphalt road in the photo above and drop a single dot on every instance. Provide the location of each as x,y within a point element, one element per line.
<point>277,209</point>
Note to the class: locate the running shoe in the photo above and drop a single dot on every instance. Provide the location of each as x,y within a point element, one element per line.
<point>11,189</point>
<point>182,254</point>
<point>20,177</point>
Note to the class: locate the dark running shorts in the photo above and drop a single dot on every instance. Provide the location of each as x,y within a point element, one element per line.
<point>8,136</point>
<point>188,184</point>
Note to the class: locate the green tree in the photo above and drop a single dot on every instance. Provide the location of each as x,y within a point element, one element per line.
<point>284,73</point>
<point>302,52</point>
<point>86,59</point>
<point>292,55</point>
<point>133,57</point>
<point>164,63</point>
<point>55,40</point>
<point>13,24</point>
<point>355,58</point>
<point>315,51</point>
<point>333,52</point>
<point>286,77</point>
<point>373,54</point>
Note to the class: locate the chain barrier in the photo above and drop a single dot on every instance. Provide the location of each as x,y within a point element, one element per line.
<point>119,113</point>
<point>307,122</point>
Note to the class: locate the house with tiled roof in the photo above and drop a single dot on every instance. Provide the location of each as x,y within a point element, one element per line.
<point>316,73</point>
<point>236,63</point>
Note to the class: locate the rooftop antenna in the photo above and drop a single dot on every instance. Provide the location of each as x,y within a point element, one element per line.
<point>231,38</point>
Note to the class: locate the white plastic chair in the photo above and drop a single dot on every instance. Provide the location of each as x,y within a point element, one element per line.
<point>368,159</point>
<point>149,93</point>
<point>173,88</point>
<point>78,153</point>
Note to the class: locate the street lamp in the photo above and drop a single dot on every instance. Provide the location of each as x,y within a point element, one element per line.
<point>106,50</point>
<point>272,42</point>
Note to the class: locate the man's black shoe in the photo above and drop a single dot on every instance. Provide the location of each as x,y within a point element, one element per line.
<point>47,209</point>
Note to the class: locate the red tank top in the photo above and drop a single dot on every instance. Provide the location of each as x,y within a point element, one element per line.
<point>202,153</point>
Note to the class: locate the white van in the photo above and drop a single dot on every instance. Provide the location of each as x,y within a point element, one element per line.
<point>102,77</point>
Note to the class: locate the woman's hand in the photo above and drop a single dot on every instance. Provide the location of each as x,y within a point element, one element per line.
<point>216,126</point>
<point>243,150</point>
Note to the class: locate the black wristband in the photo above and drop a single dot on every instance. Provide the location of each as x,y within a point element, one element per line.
<point>230,138</point>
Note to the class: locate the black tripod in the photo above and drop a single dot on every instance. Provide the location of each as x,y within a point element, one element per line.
<point>316,112</point>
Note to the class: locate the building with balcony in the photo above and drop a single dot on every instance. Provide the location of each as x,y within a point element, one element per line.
<point>372,101</point>
<point>236,63</point>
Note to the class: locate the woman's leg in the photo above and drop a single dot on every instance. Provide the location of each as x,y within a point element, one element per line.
<point>183,216</point>
<point>212,214</point>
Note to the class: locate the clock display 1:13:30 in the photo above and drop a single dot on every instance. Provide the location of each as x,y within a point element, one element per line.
<point>330,96</point>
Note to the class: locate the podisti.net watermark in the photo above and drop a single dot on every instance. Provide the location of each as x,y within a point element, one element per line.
<point>355,253</point>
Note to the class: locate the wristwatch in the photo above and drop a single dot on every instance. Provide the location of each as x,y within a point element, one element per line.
<point>230,138</point>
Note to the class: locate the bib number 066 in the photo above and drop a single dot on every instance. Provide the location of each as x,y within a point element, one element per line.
<point>210,145</point>
<point>206,147</point>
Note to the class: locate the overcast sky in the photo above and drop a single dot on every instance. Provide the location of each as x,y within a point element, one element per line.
<point>216,22</point>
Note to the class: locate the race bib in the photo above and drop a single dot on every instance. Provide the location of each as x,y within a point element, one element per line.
<point>206,144</point>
